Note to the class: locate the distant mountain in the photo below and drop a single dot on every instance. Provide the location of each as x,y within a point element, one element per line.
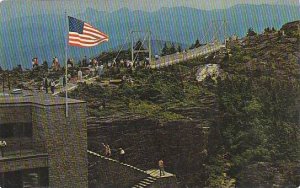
<point>42,35</point>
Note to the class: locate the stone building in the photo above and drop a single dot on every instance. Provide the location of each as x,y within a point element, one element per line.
<point>44,148</point>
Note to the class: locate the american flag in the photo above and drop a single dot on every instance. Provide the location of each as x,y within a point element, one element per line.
<point>83,34</point>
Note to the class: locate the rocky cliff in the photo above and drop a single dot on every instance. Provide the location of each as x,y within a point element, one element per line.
<point>147,141</point>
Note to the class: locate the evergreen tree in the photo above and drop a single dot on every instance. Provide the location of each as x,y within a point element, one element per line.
<point>173,49</point>
<point>45,65</point>
<point>251,32</point>
<point>197,44</point>
<point>165,50</point>
<point>138,45</point>
<point>179,48</point>
<point>19,68</point>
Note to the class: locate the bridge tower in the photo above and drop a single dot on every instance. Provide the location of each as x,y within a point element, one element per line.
<point>219,30</point>
<point>147,36</point>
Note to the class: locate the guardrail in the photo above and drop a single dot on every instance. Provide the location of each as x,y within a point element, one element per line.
<point>183,56</point>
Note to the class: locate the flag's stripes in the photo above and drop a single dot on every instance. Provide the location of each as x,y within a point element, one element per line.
<point>73,35</point>
<point>78,39</point>
<point>84,35</point>
<point>91,34</point>
<point>81,44</point>
<point>95,30</point>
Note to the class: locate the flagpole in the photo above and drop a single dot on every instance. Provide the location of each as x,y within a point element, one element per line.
<point>66,64</point>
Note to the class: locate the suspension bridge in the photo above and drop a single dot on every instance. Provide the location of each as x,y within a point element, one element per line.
<point>186,55</point>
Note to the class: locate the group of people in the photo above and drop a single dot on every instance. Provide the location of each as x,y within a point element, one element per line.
<point>107,152</point>
<point>121,153</point>
<point>55,64</point>
<point>47,83</point>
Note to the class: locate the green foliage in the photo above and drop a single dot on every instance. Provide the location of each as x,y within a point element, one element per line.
<point>173,49</point>
<point>260,114</point>
<point>196,44</point>
<point>167,50</point>
<point>251,32</point>
<point>151,110</point>
<point>257,116</point>
<point>179,49</point>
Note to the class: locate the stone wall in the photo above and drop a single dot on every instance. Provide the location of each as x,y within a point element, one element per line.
<point>63,139</point>
<point>18,145</point>
<point>38,131</point>
<point>66,143</point>
<point>15,113</point>
<point>21,163</point>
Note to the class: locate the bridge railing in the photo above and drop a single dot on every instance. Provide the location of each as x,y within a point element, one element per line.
<point>183,56</point>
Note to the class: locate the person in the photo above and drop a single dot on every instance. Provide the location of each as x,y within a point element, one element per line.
<point>2,145</point>
<point>84,62</point>
<point>100,71</point>
<point>79,75</point>
<point>55,64</point>
<point>36,62</point>
<point>70,63</point>
<point>52,85</point>
<point>104,149</point>
<point>64,81</point>
<point>121,155</point>
<point>45,84</point>
<point>161,167</point>
<point>33,63</point>
<point>108,150</point>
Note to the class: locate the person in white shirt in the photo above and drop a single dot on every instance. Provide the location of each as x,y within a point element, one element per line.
<point>52,85</point>
<point>121,155</point>
<point>79,75</point>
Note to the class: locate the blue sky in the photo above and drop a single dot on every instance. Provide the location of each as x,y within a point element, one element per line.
<point>146,5</point>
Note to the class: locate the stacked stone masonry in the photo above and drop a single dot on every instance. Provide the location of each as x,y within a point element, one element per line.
<point>61,140</point>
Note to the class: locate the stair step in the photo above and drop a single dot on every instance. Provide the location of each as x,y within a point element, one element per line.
<point>152,178</point>
<point>148,180</point>
<point>142,184</point>
<point>145,182</point>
